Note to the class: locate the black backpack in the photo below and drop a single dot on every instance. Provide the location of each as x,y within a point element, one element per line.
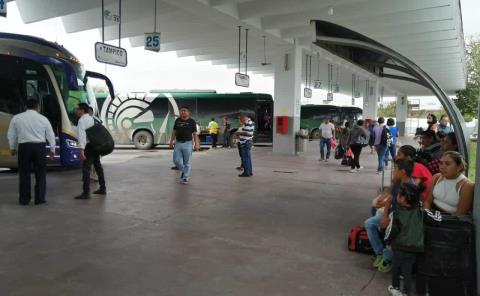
<point>100,139</point>
<point>386,136</point>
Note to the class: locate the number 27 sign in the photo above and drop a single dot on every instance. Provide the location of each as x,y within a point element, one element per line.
<point>152,41</point>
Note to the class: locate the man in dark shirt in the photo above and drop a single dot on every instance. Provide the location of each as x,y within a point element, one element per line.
<point>184,131</point>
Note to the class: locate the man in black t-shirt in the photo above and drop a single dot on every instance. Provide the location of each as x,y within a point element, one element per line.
<point>184,131</point>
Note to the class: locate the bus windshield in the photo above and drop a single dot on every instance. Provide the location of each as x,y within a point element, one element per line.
<point>71,98</point>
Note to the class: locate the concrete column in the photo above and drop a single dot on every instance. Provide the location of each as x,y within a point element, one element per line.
<point>372,93</point>
<point>401,114</point>
<point>287,95</point>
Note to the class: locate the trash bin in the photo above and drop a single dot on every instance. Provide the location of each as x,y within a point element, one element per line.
<point>301,141</point>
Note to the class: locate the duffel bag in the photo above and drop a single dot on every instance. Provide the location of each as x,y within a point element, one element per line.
<point>358,240</point>
<point>100,139</point>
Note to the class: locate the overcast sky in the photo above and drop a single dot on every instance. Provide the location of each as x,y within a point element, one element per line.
<point>150,70</point>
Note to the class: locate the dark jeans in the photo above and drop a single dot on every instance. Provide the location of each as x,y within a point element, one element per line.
<point>32,154</point>
<point>381,156</point>
<point>246,149</point>
<point>226,139</point>
<point>356,150</point>
<point>241,156</point>
<point>403,265</point>
<point>214,140</point>
<point>92,158</point>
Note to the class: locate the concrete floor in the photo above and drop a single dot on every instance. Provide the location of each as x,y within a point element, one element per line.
<point>283,232</point>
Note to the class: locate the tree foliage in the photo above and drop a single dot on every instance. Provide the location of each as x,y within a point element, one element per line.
<point>387,110</point>
<point>467,99</point>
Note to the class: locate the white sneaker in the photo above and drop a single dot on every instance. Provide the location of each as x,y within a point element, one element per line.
<point>394,292</point>
<point>360,168</point>
<point>184,181</point>
<point>353,171</point>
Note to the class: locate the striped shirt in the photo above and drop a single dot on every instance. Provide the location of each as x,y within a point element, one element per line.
<point>248,128</point>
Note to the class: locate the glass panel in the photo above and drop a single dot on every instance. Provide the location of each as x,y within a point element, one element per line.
<point>21,80</point>
<point>71,98</point>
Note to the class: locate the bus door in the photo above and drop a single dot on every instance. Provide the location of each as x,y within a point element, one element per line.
<point>264,121</point>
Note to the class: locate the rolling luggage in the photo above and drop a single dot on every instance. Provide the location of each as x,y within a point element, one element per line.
<point>447,267</point>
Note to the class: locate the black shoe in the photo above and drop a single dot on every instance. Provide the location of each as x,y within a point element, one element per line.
<point>239,168</point>
<point>40,202</point>
<point>100,191</point>
<point>243,175</point>
<point>83,196</point>
<point>174,168</point>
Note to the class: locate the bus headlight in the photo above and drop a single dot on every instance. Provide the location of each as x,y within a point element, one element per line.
<point>71,143</point>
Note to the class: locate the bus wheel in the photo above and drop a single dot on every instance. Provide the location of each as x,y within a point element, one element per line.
<point>315,134</point>
<point>143,140</point>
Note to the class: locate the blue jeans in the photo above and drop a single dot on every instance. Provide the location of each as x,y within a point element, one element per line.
<point>226,139</point>
<point>182,154</point>
<point>371,225</point>
<point>381,156</point>
<point>323,142</point>
<point>392,149</point>
<point>246,149</point>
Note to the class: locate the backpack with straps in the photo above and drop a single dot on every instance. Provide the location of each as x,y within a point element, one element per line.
<point>386,136</point>
<point>100,139</point>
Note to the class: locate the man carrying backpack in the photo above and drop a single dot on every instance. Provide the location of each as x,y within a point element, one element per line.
<point>87,154</point>
<point>382,138</point>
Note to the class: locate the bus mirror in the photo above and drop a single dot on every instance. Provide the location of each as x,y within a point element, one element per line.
<point>108,82</point>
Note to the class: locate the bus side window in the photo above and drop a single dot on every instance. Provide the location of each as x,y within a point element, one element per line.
<point>11,101</point>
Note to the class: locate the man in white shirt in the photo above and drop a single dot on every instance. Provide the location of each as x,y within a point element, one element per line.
<point>87,154</point>
<point>27,136</point>
<point>327,133</point>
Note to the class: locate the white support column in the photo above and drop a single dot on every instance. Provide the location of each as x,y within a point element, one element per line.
<point>401,114</point>
<point>370,97</point>
<point>287,94</point>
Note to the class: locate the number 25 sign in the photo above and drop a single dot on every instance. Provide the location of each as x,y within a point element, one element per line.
<point>152,41</point>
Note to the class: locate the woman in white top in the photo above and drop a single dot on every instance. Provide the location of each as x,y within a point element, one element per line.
<point>450,191</point>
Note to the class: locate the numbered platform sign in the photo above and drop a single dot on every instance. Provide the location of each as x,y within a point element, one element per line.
<point>108,54</point>
<point>307,92</point>
<point>242,80</point>
<point>3,8</point>
<point>152,41</point>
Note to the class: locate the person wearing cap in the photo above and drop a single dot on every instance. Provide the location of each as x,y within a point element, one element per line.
<point>431,151</point>
<point>327,133</point>
<point>27,135</point>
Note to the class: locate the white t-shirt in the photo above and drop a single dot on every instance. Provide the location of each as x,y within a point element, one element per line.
<point>327,130</point>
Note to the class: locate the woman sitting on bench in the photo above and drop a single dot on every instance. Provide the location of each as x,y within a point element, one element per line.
<point>450,191</point>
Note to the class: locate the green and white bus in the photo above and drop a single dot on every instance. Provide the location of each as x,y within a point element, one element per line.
<point>312,116</point>
<point>146,119</point>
